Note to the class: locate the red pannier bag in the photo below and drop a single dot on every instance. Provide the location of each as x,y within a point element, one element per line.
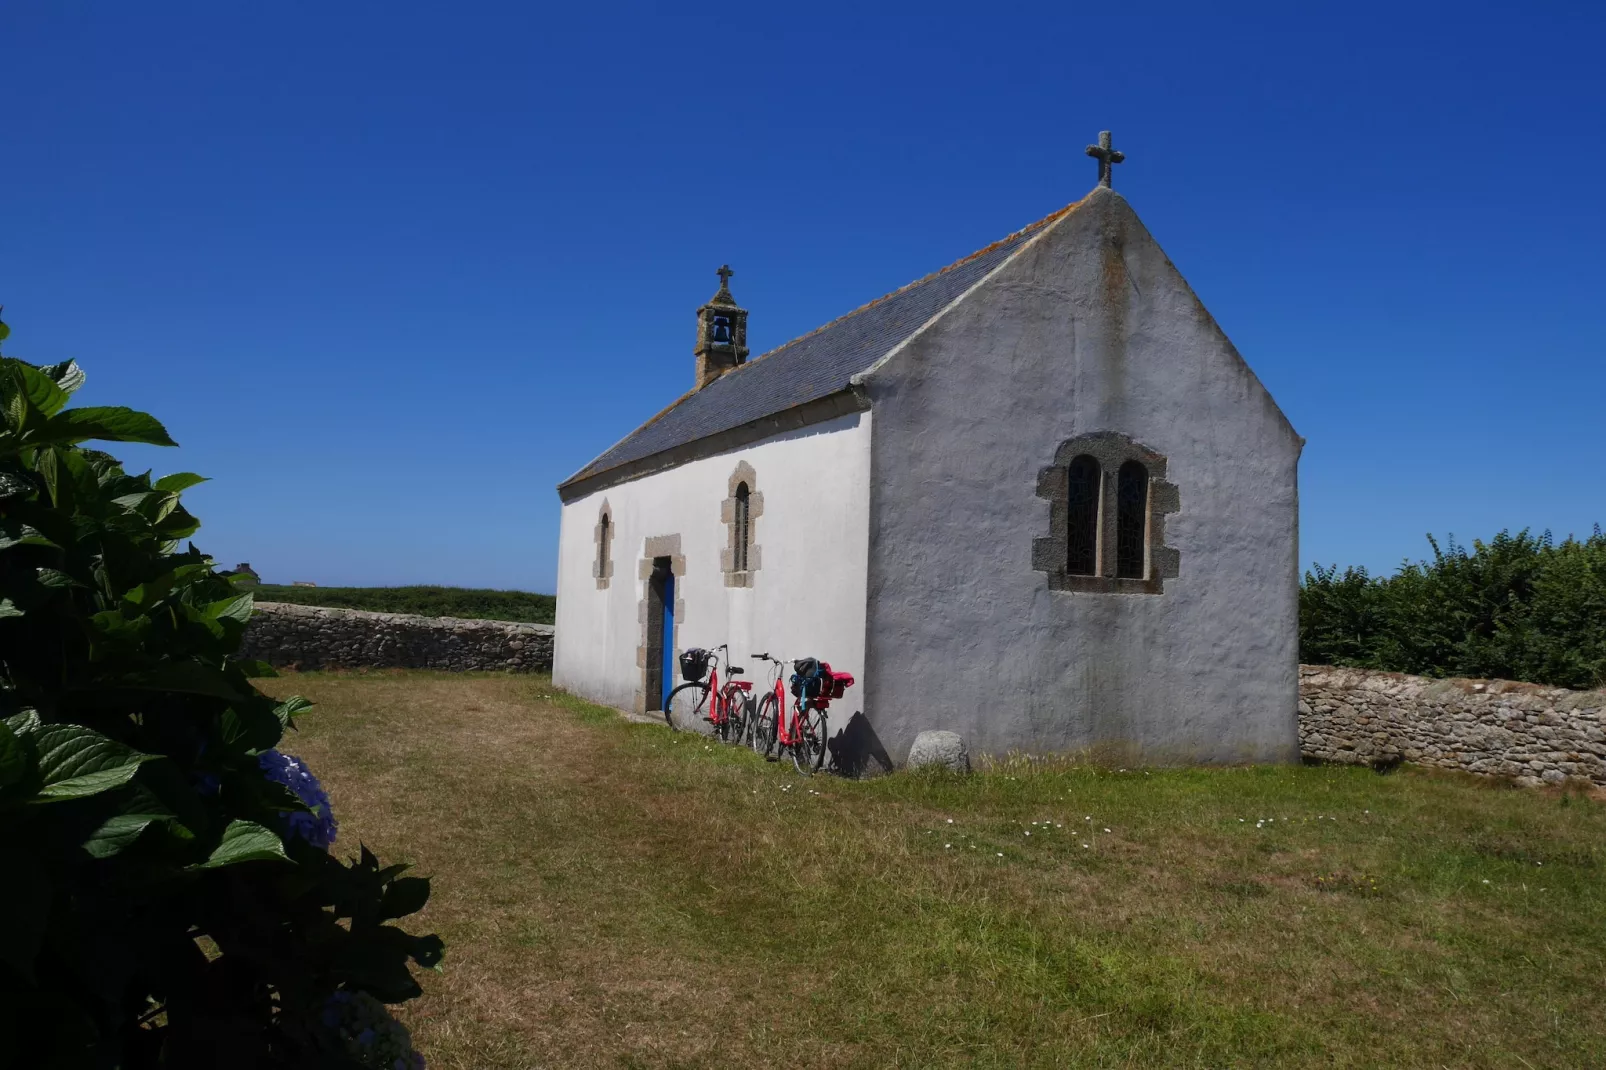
<point>840,682</point>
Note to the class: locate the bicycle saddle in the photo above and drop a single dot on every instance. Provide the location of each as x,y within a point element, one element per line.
<point>733,670</point>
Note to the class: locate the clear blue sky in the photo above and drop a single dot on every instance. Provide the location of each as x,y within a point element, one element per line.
<point>389,272</point>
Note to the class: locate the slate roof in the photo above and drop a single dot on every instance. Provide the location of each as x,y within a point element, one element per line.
<point>814,366</point>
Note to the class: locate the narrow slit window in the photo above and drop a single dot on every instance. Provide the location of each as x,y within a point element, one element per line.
<point>604,531</point>
<point>743,504</point>
<point>1082,518</point>
<point>1131,521</point>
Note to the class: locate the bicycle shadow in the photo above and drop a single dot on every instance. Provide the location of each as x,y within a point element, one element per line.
<point>857,751</point>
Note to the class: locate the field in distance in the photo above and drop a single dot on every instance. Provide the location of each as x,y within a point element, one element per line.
<point>472,602</point>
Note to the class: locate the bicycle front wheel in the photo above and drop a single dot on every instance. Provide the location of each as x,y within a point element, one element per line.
<point>762,736</point>
<point>686,708</point>
<point>738,716</point>
<point>808,753</point>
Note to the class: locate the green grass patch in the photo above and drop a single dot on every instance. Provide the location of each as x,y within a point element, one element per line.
<point>471,602</point>
<point>615,895</point>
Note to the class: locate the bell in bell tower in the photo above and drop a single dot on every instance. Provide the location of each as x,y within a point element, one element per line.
<point>721,333</point>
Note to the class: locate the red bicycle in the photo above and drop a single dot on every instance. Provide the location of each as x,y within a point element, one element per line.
<point>700,705</point>
<point>771,708</point>
<point>805,732</point>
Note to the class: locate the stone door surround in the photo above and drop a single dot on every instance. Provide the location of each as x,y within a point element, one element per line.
<point>655,547</point>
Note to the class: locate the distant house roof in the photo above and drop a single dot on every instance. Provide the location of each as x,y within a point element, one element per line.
<point>809,368</point>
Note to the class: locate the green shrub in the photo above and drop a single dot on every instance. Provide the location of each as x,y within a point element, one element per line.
<point>168,892</point>
<point>473,603</point>
<point>1519,607</point>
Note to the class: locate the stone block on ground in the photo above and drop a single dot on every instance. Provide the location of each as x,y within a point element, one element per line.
<point>945,750</point>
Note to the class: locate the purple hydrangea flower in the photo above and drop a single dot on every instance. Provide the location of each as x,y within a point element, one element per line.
<point>370,1036</point>
<point>317,828</point>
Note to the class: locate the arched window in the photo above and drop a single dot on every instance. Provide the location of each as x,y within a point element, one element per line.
<point>1082,518</point>
<point>602,568</point>
<point>742,556</point>
<point>1131,520</point>
<point>1108,501</point>
<point>742,521</point>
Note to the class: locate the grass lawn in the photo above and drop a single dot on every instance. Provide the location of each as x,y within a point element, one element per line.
<point>616,896</point>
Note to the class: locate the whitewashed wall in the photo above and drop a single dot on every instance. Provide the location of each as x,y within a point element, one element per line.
<point>808,595</point>
<point>1090,328</point>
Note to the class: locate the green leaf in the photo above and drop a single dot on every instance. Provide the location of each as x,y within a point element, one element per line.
<point>237,608</point>
<point>5,332</point>
<point>67,375</point>
<point>111,423</point>
<point>38,389</point>
<point>179,481</point>
<point>133,501</point>
<point>15,757</point>
<point>250,727</point>
<point>8,608</point>
<point>246,841</point>
<point>52,577</point>
<point>287,710</point>
<point>16,533</point>
<point>75,761</point>
<point>26,723</point>
<point>405,896</point>
<point>118,833</point>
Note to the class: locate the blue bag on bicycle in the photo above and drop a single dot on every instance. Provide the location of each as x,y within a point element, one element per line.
<point>808,675</point>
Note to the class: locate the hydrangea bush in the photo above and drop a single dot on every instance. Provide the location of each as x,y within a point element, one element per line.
<point>168,890</point>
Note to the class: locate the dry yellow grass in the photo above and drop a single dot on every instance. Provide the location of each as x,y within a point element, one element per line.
<point>614,896</point>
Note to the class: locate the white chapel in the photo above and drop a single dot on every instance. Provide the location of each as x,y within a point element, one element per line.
<point>1036,497</point>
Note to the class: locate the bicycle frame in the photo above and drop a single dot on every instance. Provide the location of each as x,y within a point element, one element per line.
<point>722,698</point>
<point>778,689</point>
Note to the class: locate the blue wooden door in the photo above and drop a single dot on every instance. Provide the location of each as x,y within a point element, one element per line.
<point>671,671</point>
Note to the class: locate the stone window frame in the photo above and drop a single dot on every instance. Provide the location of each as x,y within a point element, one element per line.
<point>734,577</point>
<point>1111,450</point>
<point>655,547</point>
<point>604,534</point>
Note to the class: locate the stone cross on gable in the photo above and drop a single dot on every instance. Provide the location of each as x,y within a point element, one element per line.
<point>1106,156</point>
<point>724,274</point>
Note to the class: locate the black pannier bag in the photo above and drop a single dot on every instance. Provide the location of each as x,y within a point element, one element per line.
<point>807,677</point>
<point>694,665</point>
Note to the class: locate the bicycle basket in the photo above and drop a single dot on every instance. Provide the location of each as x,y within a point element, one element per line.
<point>694,664</point>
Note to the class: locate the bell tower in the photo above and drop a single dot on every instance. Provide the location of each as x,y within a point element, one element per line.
<point>721,333</point>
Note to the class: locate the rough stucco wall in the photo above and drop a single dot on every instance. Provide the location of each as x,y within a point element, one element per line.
<point>1494,727</point>
<point>807,595</point>
<point>315,637</point>
<point>1088,329</point>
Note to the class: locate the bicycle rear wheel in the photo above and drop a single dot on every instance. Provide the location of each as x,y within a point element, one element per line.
<point>686,708</point>
<point>762,734</point>
<point>808,753</point>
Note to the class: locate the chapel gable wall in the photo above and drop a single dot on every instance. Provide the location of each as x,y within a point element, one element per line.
<point>1087,342</point>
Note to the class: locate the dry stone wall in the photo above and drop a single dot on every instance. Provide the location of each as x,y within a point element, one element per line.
<point>316,637</point>
<point>1534,734</point>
